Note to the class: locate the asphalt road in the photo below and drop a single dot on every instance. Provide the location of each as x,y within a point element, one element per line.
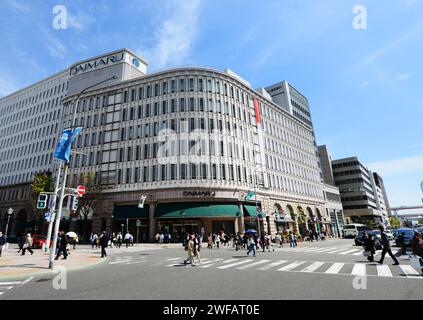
<point>332,269</point>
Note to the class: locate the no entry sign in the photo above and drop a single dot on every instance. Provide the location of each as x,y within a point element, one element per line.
<point>80,190</point>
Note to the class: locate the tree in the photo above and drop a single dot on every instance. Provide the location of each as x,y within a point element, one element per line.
<point>43,182</point>
<point>394,222</point>
<point>87,203</point>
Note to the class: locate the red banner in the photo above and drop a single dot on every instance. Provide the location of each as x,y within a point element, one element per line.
<point>257,110</point>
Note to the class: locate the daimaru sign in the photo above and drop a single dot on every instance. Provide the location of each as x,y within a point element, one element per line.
<point>96,64</point>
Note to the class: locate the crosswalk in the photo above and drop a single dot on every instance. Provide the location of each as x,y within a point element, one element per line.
<point>319,267</point>
<point>8,286</point>
<point>342,250</point>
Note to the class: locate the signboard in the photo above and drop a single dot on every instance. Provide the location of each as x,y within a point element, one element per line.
<point>81,190</point>
<point>47,216</point>
<point>52,201</point>
<point>138,223</point>
<point>199,194</point>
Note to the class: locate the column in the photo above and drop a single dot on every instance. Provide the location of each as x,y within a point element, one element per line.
<point>153,222</point>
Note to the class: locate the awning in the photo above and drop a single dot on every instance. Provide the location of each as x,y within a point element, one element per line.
<point>131,212</point>
<point>249,210</point>
<point>196,210</point>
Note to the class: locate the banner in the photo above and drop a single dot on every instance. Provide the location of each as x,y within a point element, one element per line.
<point>62,151</point>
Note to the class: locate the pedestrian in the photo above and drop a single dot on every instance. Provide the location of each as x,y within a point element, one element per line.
<point>21,242</point>
<point>169,238</point>
<point>104,241</point>
<point>97,241</point>
<point>119,239</point>
<point>369,247</point>
<point>93,240</point>
<point>2,242</point>
<point>131,239</point>
<point>293,240</point>
<point>161,238</point>
<point>28,244</point>
<point>401,243</point>
<point>197,248</point>
<point>269,243</point>
<point>386,247</point>
<point>127,239</point>
<point>217,241</point>
<point>262,241</point>
<point>191,251</point>
<point>417,246</point>
<point>278,240</point>
<point>251,245</point>
<point>62,246</point>
<point>245,241</point>
<point>210,242</point>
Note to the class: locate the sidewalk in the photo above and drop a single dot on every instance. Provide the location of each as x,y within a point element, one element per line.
<point>14,265</point>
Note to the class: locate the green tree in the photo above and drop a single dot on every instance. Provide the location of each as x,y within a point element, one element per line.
<point>394,222</point>
<point>43,182</point>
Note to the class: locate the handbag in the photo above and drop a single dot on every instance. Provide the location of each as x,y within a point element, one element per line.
<point>367,253</point>
<point>416,262</point>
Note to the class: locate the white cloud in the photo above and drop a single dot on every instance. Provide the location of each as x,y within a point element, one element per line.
<point>174,37</point>
<point>398,166</point>
<point>7,85</point>
<point>55,47</point>
<point>79,21</point>
<point>18,6</point>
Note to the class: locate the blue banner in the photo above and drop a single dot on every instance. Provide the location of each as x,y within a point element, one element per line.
<point>62,151</point>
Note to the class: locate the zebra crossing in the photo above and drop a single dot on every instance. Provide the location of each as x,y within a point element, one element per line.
<point>319,267</point>
<point>342,250</point>
<point>8,286</point>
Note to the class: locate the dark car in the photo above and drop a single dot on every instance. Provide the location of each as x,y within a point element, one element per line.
<point>376,236</point>
<point>408,235</point>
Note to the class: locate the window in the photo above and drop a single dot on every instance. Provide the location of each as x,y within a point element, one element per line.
<point>183,171</point>
<point>191,84</point>
<point>182,85</point>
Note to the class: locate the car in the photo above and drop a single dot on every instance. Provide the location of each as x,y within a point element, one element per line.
<point>39,241</point>
<point>389,234</point>
<point>376,235</point>
<point>408,235</point>
<point>419,230</point>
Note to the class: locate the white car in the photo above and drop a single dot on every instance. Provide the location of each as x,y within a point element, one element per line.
<point>389,234</point>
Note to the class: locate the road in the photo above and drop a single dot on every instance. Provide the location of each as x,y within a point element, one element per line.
<point>331,269</point>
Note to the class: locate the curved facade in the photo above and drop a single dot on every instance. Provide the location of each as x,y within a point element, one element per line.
<point>189,138</point>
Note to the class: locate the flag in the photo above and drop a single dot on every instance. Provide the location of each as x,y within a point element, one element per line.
<point>62,151</point>
<point>249,195</point>
<point>142,200</point>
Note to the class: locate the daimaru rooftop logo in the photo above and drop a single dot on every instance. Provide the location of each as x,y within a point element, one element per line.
<point>94,64</point>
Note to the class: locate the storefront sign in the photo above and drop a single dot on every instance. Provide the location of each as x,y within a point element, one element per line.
<point>94,64</point>
<point>199,194</point>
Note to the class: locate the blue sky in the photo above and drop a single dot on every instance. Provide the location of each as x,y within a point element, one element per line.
<point>364,86</point>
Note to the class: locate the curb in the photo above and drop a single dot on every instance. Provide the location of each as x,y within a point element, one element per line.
<point>50,272</point>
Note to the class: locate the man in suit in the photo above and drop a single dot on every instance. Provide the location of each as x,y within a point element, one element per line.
<point>104,242</point>
<point>386,247</point>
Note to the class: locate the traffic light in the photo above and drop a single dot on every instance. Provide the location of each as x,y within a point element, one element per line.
<point>42,201</point>
<point>74,203</point>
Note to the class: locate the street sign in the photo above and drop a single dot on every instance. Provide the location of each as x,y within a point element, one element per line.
<point>138,223</point>
<point>47,216</point>
<point>51,201</point>
<point>74,203</point>
<point>81,190</point>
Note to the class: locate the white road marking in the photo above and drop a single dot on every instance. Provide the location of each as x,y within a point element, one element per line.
<point>359,269</point>
<point>383,271</point>
<point>273,264</point>
<point>409,271</point>
<point>1,293</point>
<point>27,280</point>
<point>209,264</point>
<point>6,288</point>
<point>172,259</point>
<point>349,251</point>
<point>235,264</point>
<point>291,266</point>
<point>253,264</point>
<point>313,267</point>
<point>335,268</point>
<point>9,283</point>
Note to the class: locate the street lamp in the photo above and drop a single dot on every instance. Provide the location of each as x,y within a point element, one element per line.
<point>9,214</point>
<point>122,225</point>
<point>66,166</point>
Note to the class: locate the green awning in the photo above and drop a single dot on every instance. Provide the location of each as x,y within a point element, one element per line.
<point>131,212</point>
<point>250,210</point>
<point>197,210</point>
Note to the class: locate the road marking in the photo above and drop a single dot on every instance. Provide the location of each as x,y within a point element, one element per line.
<point>27,280</point>
<point>325,249</point>
<point>235,264</point>
<point>273,264</point>
<point>349,251</point>
<point>313,267</point>
<point>291,266</point>
<point>359,269</point>
<point>1,293</point>
<point>383,271</point>
<point>173,259</point>
<point>336,250</point>
<point>253,264</point>
<point>212,263</point>
<point>9,283</point>
<point>335,268</point>
<point>6,288</point>
<point>409,271</point>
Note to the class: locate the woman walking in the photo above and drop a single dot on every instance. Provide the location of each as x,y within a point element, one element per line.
<point>28,244</point>
<point>369,247</point>
<point>209,242</point>
<point>251,246</point>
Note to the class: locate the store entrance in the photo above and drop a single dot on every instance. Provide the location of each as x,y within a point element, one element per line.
<point>178,229</point>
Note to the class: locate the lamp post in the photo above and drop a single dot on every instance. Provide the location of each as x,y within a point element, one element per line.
<point>122,225</point>
<point>65,172</point>
<point>9,214</point>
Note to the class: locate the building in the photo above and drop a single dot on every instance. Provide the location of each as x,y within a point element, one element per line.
<point>381,197</point>
<point>326,164</point>
<point>202,145</point>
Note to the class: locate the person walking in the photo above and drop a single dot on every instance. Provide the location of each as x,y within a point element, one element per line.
<point>2,242</point>
<point>161,238</point>
<point>28,244</point>
<point>197,248</point>
<point>278,240</point>
<point>93,240</point>
<point>209,242</point>
<point>104,240</point>
<point>191,251</point>
<point>21,242</point>
<point>251,246</point>
<point>417,246</point>
<point>386,247</point>
<point>63,246</point>
<point>119,240</point>
<point>369,247</point>
<point>127,239</point>
<point>217,241</point>
<point>293,240</point>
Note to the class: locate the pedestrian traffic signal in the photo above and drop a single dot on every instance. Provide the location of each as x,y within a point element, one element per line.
<point>74,203</point>
<point>42,201</point>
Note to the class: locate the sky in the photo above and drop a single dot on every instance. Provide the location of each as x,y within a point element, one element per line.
<point>364,85</point>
